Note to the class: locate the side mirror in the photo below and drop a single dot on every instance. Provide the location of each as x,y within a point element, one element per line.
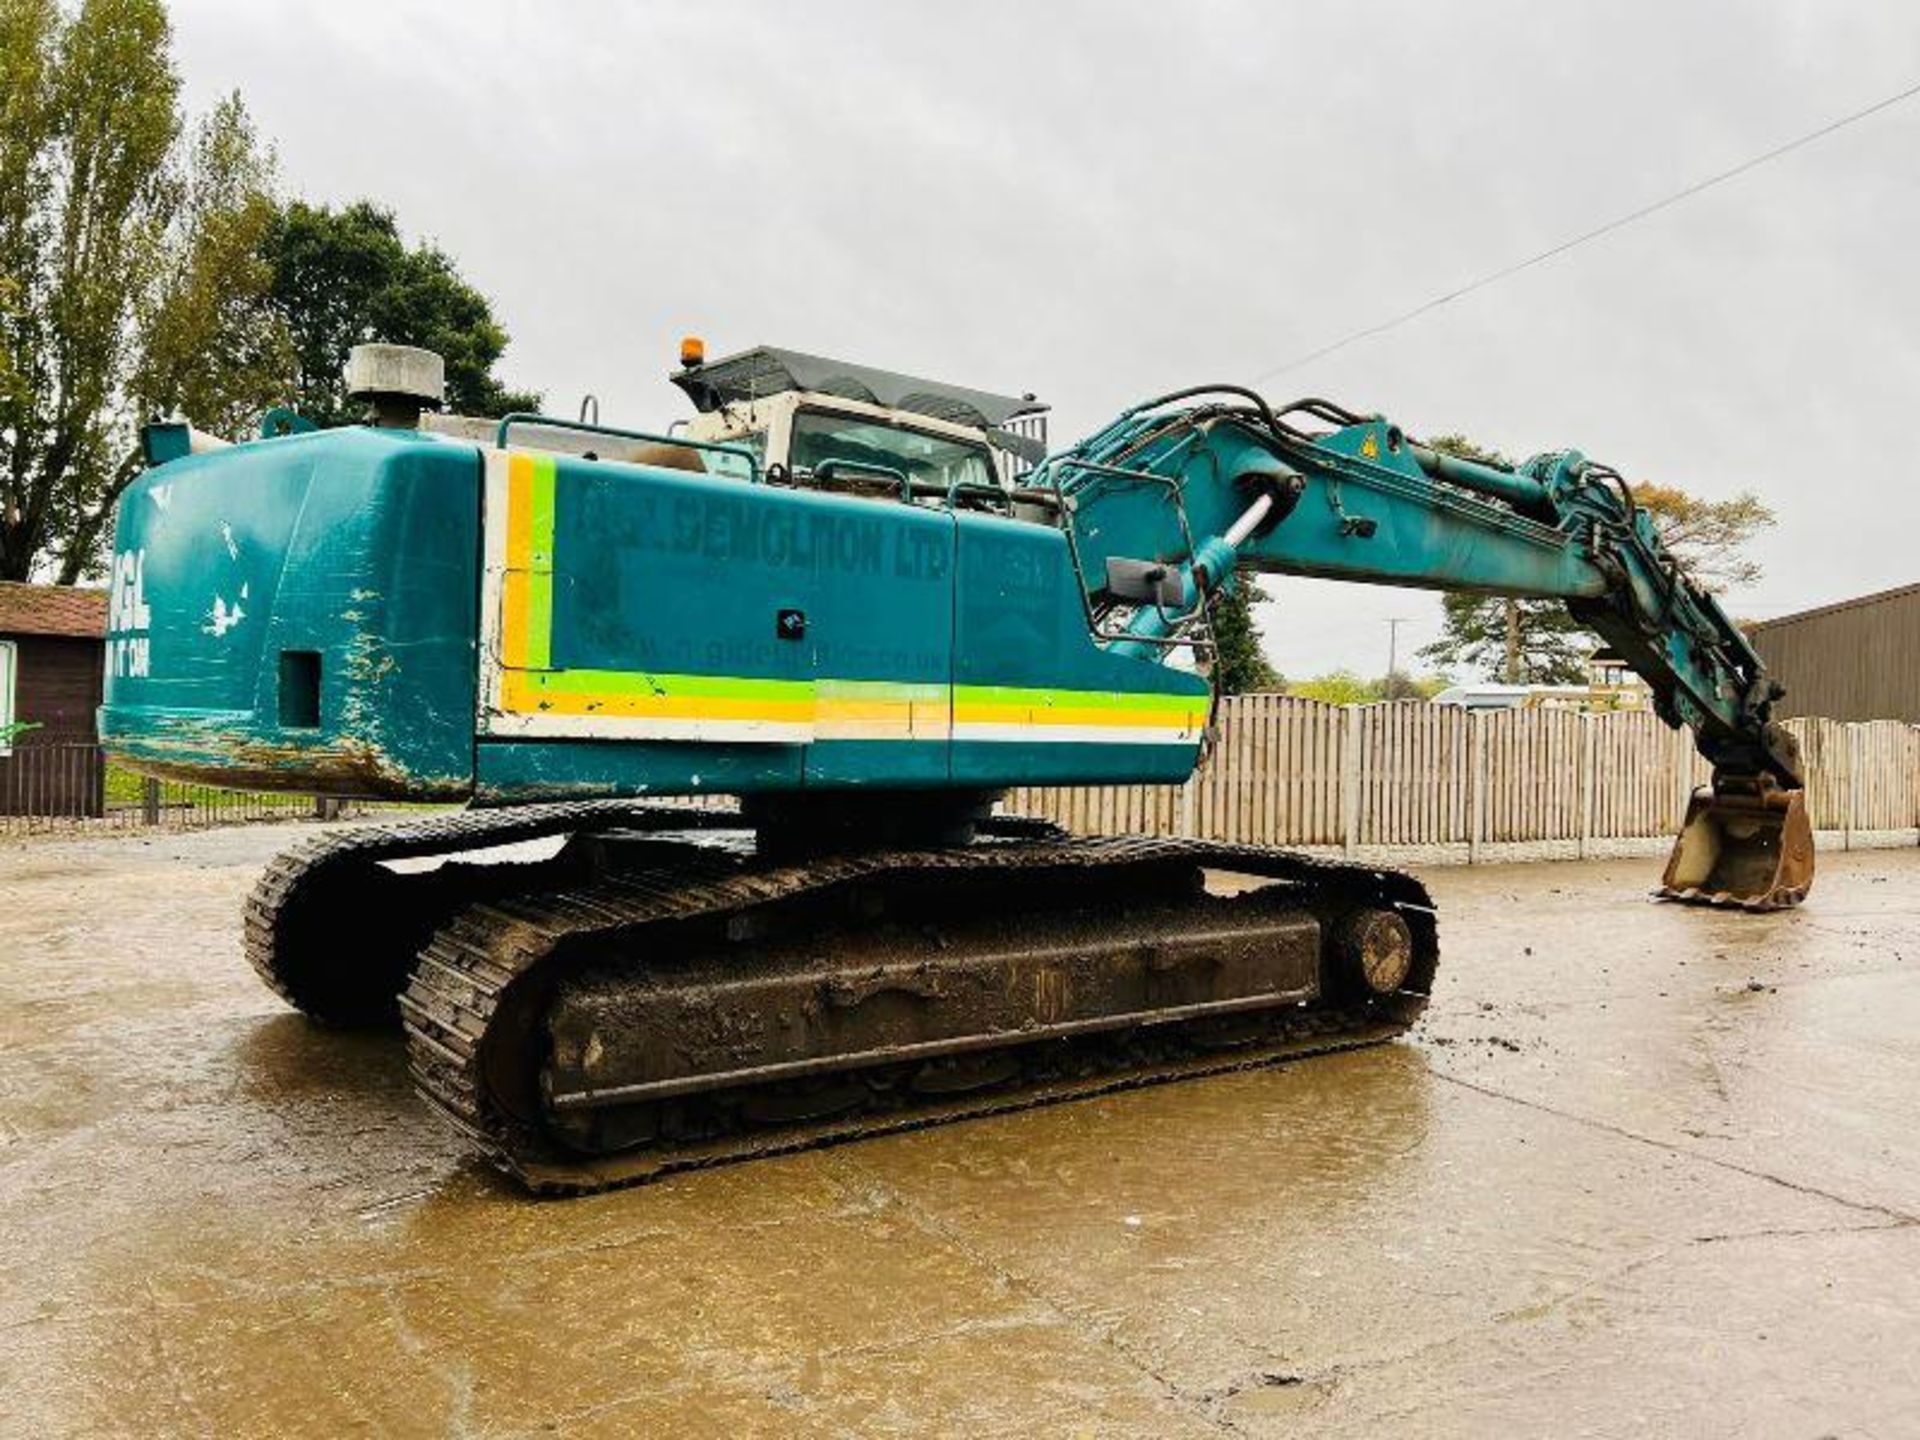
<point>1146,582</point>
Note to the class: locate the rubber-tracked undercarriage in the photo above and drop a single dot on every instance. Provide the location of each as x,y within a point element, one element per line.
<point>655,995</point>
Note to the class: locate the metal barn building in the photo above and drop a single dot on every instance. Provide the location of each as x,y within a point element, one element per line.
<point>1857,660</point>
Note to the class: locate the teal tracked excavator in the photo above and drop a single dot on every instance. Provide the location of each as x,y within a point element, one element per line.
<point>864,605</point>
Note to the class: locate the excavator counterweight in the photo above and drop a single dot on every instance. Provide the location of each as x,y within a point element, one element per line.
<point>862,605</point>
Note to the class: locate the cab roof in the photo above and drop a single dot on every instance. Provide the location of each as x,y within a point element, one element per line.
<point>765,370</point>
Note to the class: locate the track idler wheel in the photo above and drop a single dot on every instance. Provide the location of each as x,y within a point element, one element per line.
<point>1745,842</point>
<point>340,949</point>
<point>1372,954</point>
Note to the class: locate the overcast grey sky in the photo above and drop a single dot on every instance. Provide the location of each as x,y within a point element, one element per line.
<point>1099,202</point>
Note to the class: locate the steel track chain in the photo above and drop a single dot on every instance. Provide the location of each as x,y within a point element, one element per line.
<point>334,874</point>
<point>454,998</point>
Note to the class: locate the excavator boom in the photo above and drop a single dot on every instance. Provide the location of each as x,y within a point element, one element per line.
<point>1357,499</point>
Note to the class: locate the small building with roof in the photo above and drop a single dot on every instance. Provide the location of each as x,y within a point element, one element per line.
<point>52,660</point>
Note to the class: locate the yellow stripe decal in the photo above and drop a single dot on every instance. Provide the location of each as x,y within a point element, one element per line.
<point>526,592</point>
<point>825,709</point>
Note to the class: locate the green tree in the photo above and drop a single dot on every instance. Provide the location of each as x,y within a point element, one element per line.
<point>1520,642</point>
<point>1707,537</point>
<point>1240,666</point>
<point>128,282</point>
<point>342,277</point>
<point>1536,642</point>
<point>1344,687</point>
<point>1337,687</point>
<point>1523,642</point>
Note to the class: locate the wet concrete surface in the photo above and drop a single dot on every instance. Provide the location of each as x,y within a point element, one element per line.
<point>1645,1170</point>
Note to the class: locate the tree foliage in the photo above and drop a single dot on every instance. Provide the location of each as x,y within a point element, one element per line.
<point>1240,666</point>
<point>1707,537</point>
<point>343,277</point>
<point>146,268</point>
<point>129,278</point>
<point>1345,687</point>
<point>1522,642</point>
<point>1537,642</point>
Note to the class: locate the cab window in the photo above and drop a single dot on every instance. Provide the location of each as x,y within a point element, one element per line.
<point>719,462</point>
<point>820,436</point>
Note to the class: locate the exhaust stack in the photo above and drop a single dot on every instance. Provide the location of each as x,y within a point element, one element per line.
<point>399,381</point>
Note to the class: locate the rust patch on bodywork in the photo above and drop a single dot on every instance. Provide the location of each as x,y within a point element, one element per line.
<point>343,768</point>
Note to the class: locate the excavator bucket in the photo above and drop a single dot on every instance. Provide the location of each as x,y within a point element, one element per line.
<point>1750,846</point>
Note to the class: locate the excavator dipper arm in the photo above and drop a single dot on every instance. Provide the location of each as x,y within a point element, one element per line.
<point>1357,499</point>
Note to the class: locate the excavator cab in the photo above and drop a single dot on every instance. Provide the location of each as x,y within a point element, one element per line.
<point>830,425</point>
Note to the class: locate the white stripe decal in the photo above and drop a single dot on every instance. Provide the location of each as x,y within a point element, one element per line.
<point>1079,734</point>
<point>649,727</point>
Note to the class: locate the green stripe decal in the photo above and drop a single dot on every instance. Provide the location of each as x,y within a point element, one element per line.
<point>539,619</point>
<point>1077,699</point>
<point>634,682</point>
<point>540,555</point>
<point>880,690</point>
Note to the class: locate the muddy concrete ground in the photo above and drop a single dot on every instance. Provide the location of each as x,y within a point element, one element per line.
<point>1645,1170</point>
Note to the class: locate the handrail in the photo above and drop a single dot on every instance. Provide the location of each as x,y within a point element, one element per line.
<point>1069,462</point>
<point>1055,464</point>
<point>979,491</point>
<point>833,466</point>
<point>529,417</point>
<point>830,468</point>
<point>1095,467</point>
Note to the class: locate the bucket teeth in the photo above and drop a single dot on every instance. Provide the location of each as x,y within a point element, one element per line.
<point>1745,843</point>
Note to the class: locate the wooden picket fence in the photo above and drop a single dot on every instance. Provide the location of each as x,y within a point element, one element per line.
<point>1286,771</point>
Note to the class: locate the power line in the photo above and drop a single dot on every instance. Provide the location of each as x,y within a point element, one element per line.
<point>1620,222</point>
